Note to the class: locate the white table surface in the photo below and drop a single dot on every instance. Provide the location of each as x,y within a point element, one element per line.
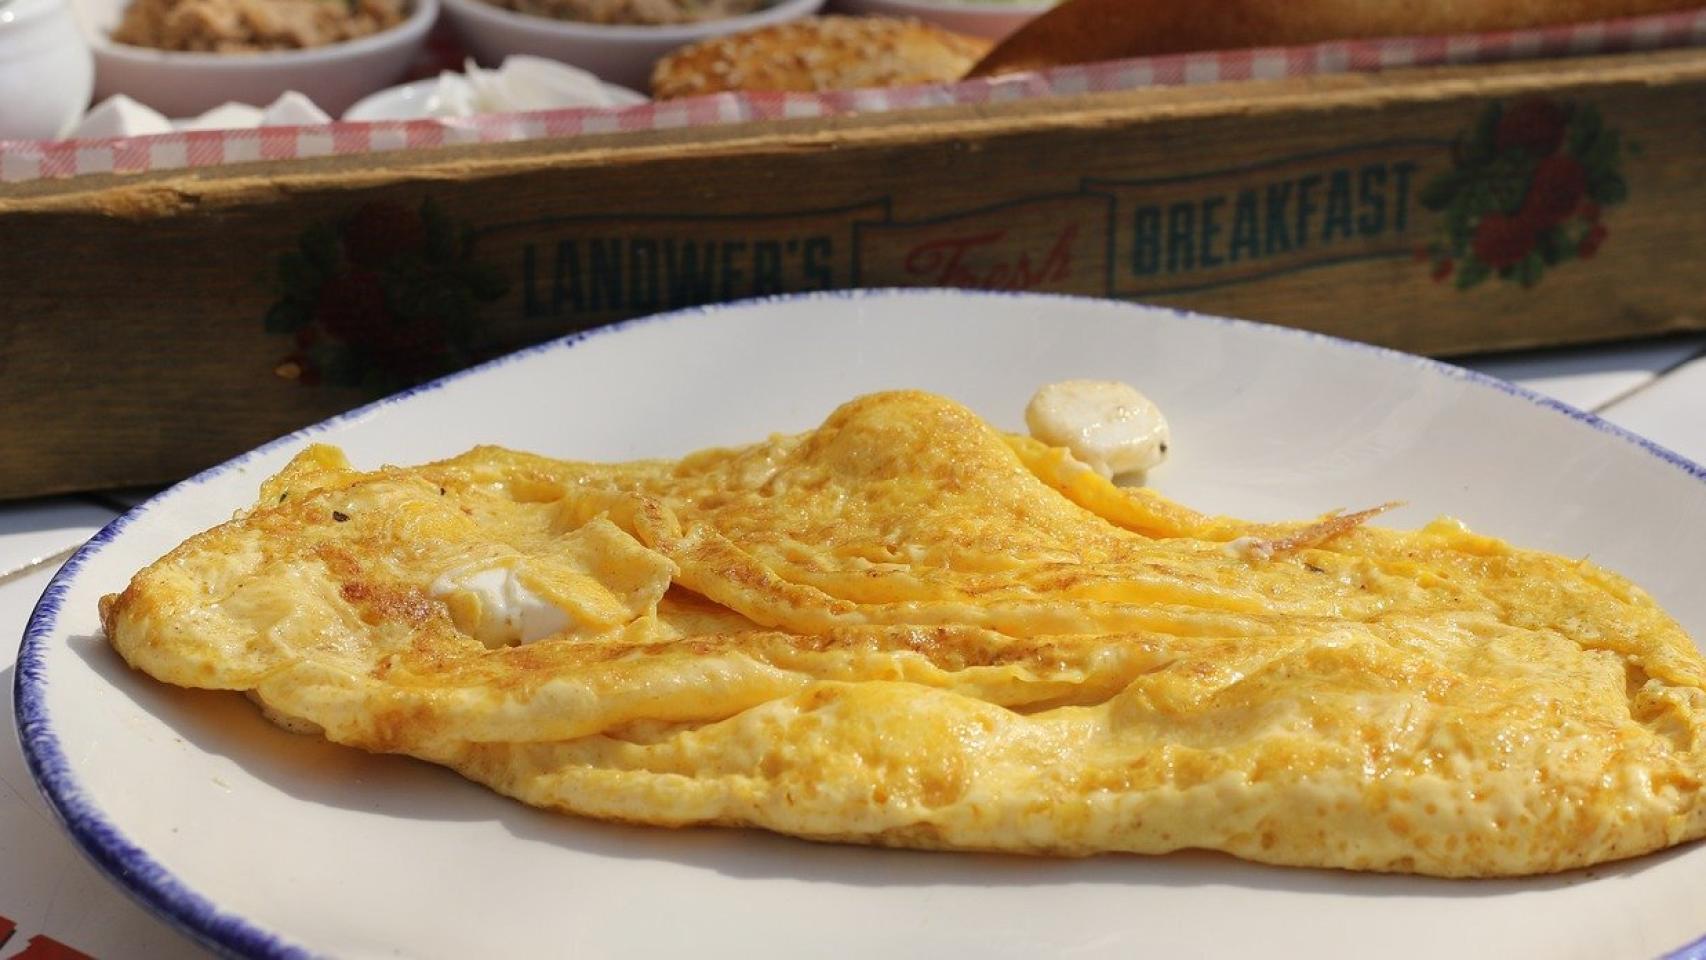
<point>47,889</point>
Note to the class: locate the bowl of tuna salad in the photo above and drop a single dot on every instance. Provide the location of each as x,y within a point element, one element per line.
<point>618,40</point>
<point>183,57</point>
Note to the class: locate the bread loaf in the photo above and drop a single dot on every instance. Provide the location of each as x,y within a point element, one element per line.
<point>1086,31</point>
<point>817,54</point>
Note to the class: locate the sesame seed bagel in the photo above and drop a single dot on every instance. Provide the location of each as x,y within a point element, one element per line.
<point>817,54</point>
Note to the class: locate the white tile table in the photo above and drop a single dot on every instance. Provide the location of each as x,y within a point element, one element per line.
<point>50,895</point>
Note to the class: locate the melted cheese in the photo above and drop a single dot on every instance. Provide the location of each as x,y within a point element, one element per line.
<point>496,608</point>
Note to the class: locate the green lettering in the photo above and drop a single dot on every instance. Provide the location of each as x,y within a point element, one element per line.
<point>818,262</point>
<point>1146,242</point>
<point>688,275</point>
<point>566,280</point>
<point>1277,238</point>
<point>1306,207</point>
<point>642,274</point>
<point>1401,214</point>
<point>1372,220</point>
<point>1181,229</point>
<point>767,267</point>
<point>732,275</point>
<point>1338,220</point>
<point>1206,254</point>
<point>606,270</point>
<point>1246,228</point>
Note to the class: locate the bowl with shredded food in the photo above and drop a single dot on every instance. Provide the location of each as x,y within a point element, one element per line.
<point>183,57</point>
<point>619,40</point>
<point>979,18</point>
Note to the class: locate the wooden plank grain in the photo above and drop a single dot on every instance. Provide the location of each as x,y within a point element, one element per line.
<point>134,350</point>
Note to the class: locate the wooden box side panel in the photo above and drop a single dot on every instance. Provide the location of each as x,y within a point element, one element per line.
<point>158,326</point>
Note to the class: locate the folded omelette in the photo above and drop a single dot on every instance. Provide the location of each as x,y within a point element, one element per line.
<point>908,628</point>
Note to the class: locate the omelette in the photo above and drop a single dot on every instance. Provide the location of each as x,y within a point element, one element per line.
<point>908,628</point>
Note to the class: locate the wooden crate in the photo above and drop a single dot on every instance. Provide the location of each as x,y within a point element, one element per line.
<point>158,323</point>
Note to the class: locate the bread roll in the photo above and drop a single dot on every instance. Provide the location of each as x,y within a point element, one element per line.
<point>1086,31</point>
<point>818,53</point>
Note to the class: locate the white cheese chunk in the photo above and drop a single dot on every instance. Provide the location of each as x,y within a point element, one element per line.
<point>226,116</point>
<point>1106,424</point>
<point>525,83</point>
<point>292,109</point>
<point>494,606</point>
<point>1250,548</point>
<point>120,116</point>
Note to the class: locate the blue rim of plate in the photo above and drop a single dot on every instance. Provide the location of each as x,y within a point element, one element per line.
<point>193,914</point>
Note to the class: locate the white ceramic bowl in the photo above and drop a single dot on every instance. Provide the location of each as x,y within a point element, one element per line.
<point>621,54</point>
<point>990,18</point>
<point>45,70</point>
<point>184,84</point>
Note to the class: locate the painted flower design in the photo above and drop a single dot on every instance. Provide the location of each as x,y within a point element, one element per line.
<point>1525,193</point>
<point>382,298</point>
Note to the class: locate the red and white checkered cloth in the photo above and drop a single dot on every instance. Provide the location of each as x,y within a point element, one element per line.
<point>33,159</point>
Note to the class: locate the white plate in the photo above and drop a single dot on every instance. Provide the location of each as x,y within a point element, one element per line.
<point>409,102</point>
<point>265,843</point>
